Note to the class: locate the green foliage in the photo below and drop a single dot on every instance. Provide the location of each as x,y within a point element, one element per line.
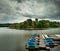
<point>29,24</point>
<point>54,24</point>
<point>5,25</point>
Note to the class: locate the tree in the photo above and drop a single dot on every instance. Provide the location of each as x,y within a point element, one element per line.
<point>29,22</point>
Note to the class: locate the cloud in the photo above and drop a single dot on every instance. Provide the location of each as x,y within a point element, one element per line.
<point>16,10</point>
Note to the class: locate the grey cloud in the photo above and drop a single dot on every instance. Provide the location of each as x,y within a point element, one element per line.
<point>6,18</point>
<point>41,9</point>
<point>19,1</point>
<point>5,7</point>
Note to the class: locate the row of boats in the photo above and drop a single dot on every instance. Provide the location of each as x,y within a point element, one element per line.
<point>42,42</point>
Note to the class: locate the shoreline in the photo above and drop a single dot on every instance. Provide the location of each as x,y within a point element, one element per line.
<point>32,28</point>
<point>35,29</point>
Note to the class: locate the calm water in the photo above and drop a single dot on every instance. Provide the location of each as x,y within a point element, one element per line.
<point>14,40</point>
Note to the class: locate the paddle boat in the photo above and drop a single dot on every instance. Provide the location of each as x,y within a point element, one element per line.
<point>50,41</point>
<point>55,38</point>
<point>34,44</point>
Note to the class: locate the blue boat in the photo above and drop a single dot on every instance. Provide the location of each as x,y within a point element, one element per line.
<point>51,42</point>
<point>34,44</point>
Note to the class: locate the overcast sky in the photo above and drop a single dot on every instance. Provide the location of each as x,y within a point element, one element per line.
<point>20,10</point>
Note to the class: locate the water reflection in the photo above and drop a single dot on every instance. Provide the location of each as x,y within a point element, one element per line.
<point>14,40</point>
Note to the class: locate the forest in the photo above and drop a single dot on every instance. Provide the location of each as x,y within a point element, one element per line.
<point>5,25</point>
<point>37,24</point>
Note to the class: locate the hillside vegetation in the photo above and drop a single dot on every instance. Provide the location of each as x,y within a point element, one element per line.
<point>29,24</point>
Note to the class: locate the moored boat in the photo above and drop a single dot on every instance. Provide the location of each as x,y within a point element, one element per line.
<point>37,43</point>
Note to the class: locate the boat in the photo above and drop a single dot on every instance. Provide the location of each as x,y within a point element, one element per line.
<point>50,41</point>
<point>55,38</point>
<point>37,43</point>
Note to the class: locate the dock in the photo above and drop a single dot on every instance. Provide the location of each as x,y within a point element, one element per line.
<point>44,43</point>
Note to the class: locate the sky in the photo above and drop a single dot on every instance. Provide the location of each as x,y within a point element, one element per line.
<point>12,11</point>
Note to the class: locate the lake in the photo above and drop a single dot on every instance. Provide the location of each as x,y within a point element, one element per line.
<point>14,40</point>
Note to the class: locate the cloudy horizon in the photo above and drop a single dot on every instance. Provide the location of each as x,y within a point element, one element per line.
<point>19,10</point>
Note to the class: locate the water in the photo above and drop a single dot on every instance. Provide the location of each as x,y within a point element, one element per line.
<point>14,40</point>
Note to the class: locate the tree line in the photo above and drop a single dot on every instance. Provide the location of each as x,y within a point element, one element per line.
<point>29,24</point>
<point>5,25</point>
